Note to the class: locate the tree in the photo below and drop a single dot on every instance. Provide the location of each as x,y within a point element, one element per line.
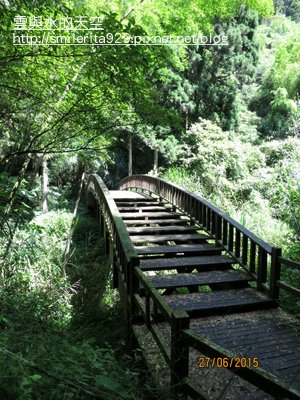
<point>207,84</point>
<point>221,72</point>
<point>88,91</point>
<point>276,99</point>
<point>291,8</point>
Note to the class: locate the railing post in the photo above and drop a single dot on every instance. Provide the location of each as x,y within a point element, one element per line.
<point>262,269</point>
<point>115,281</point>
<point>218,228</point>
<point>147,309</point>
<point>132,288</point>
<point>159,183</point>
<point>101,223</point>
<point>275,272</point>
<point>106,240</point>
<point>179,350</point>
<point>115,268</point>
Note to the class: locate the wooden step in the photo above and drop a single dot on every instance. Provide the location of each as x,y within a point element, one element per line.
<point>233,300</point>
<point>128,195</point>
<point>184,262</point>
<point>163,229</point>
<point>199,279</point>
<point>166,238</point>
<point>150,214</point>
<point>141,203</point>
<point>203,249</point>
<point>165,221</point>
<point>137,200</point>
<point>141,209</point>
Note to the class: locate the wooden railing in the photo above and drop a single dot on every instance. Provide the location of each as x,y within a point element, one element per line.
<point>252,253</point>
<point>245,247</point>
<point>280,284</point>
<point>154,309</point>
<point>129,279</point>
<point>117,241</point>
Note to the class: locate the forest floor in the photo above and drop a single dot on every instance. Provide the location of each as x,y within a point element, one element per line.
<point>65,339</point>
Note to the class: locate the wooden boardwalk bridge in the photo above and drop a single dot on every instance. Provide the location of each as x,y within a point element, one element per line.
<point>204,287</point>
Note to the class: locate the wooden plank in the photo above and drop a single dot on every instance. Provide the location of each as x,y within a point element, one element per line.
<point>165,221</point>
<point>236,330</point>
<point>183,262</point>
<point>164,238</point>
<point>276,347</point>
<point>199,279</point>
<point>290,263</point>
<point>259,377</point>
<point>136,203</point>
<point>242,331</point>
<point>220,301</point>
<point>132,202</point>
<point>289,288</point>
<point>163,229</point>
<point>141,208</point>
<point>128,195</point>
<point>181,248</point>
<point>153,214</point>
<point>256,339</point>
<point>169,189</point>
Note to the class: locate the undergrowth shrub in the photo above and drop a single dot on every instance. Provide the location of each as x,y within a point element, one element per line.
<point>63,337</point>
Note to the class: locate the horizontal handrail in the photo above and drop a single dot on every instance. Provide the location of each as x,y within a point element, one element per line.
<point>284,285</point>
<point>290,263</point>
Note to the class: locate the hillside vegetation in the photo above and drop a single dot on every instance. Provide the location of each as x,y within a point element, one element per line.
<point>222,121</point>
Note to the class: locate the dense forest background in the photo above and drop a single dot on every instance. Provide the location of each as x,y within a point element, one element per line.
<point>222,121</point>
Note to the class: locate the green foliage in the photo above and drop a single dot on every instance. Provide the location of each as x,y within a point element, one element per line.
<point>63,337</point>
<point>34,261</point>
<point>223,162</point>
<point>52,357</point>
<point>284,197</point>
<point>276,99</point>
<point>228,164</point>
<point>158,18</point>
<point>281,115</point>
<point>291,8</point>
<point>210,84</point>
<point>159,138</point>
<point>257,184</point>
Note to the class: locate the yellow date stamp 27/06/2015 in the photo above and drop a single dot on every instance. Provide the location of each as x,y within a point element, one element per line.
<point>228,362</point>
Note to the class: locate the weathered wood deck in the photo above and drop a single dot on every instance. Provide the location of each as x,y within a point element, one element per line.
<point>252,333</point>
<point>199,269</point>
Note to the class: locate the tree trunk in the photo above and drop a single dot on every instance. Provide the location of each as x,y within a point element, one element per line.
<point>68,244</point>
<point>80,169</point>
<point>45,179</point>
<point>155,165</point>
<point>130,156</point>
